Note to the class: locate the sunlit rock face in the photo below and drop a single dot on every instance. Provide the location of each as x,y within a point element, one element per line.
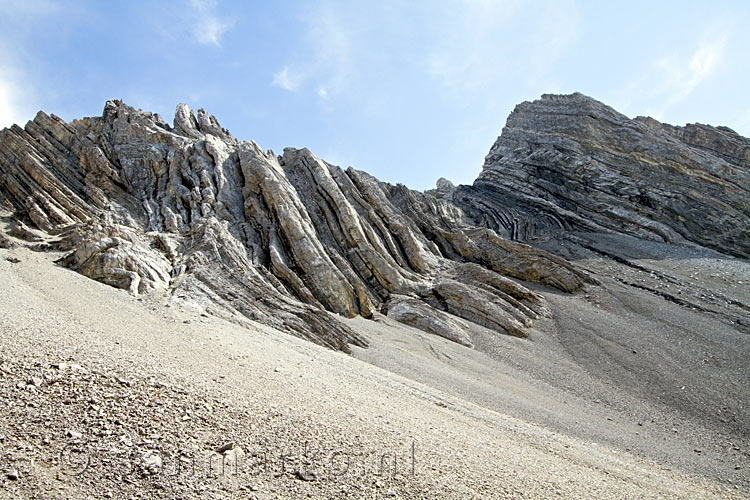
<point>189,213</point>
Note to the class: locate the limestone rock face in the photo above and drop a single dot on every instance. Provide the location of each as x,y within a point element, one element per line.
<point>117,256</point>
<point>418,313</point>
<point>189,213</point>
<point>570,163</point>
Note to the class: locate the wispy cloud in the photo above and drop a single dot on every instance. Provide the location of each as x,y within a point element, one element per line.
<point>673,78</point>
<point>487,41</point>
<point>328,65</point>
<point>287,79</point>
<point>208,27</point>
<point>209,31</point>
<point>682,77</point>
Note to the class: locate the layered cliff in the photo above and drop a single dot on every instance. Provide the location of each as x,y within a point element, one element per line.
<point>570,163</point>
<point>191,213</point>
<point>586,232</point>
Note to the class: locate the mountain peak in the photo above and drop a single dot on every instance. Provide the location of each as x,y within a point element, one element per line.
<point>572,163</point>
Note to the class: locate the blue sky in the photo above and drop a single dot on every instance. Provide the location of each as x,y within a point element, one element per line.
<point>409,91</point>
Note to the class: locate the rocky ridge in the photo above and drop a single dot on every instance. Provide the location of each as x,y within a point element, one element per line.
<point>651,361</point>
<point>570,163</point>
<point>190,213</point>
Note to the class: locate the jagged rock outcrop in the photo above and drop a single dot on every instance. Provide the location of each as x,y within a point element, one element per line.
<point>570,163</point>
<point>189,212</point>
<point>5,242</point>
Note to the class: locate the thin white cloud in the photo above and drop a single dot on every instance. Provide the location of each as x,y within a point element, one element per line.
<point>673,78</point>
<point>208,27</point>
<point>330,35</point>
<point>329,65</point>
<point>287,79</point>
<point>209,31</point>
<point>685,77</point>
<point>488,41</point>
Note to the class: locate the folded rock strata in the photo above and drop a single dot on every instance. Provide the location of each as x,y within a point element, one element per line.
<point>570,163</point>
<point>190,212</point>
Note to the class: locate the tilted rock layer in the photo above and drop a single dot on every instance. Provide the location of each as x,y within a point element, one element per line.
<point>571,163</point>
<point>189,211</point>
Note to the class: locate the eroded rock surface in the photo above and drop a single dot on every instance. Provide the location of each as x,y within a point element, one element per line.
<point>190,212</point>
<point>570,163</point>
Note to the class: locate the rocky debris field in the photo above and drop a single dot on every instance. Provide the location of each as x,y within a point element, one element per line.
<point>69,430</point>
<point>574,324</point>
<point>106,395</point>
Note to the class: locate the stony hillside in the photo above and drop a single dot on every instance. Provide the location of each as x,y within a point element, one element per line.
<point>189,211</point>
<point>575,323</point>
